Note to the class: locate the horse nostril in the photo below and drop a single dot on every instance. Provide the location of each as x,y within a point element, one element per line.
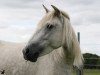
<point>27,51</point>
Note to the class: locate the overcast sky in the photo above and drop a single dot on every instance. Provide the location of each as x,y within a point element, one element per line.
<point>18,20</point>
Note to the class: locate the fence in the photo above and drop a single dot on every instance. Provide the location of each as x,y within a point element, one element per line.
<point>90,66</point>
<point>93,64</point>
<point>79,71</point>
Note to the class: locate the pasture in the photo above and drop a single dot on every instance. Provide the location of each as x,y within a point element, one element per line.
<point>89,72</point>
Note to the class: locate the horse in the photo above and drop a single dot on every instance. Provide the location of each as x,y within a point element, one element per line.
<point>11,59</point>
<point>54,48</point>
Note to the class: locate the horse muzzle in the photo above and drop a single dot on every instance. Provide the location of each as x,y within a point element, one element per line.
<point>32,53</point>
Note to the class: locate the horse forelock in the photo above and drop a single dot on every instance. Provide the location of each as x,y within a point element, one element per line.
<point>50,15</point>
<point>65,15</point>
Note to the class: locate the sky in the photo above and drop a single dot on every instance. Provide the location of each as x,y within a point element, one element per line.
<point>19,18</point>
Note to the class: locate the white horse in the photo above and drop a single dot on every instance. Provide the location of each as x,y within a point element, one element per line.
<point>54,47</point>
<point>53,50</point>
<point>11,60</point>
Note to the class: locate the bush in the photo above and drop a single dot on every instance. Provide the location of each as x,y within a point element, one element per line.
<point>92,61</point>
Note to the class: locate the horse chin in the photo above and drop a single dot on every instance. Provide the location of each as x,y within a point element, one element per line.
<point>34,60</point>
<point>31,60</point>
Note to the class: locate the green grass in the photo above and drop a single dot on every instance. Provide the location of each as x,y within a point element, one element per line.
<point>89,72</point>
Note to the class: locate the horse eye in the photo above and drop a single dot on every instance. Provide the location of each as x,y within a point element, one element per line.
<point>50,26</point>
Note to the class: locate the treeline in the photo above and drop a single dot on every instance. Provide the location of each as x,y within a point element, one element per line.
<point>91,61</point>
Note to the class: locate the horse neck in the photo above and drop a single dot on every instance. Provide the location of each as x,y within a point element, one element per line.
<point>62,63</point>
<point>54,63</point>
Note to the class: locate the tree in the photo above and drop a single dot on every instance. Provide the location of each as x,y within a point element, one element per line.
<point>91,60</point>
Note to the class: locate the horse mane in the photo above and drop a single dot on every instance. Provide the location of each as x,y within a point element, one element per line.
<point>72,44</point>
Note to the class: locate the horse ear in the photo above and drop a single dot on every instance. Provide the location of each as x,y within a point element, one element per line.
<point>57,11</point>
<point>47,10</point>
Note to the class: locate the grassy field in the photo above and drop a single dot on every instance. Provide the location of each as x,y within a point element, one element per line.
<point>90,72</point>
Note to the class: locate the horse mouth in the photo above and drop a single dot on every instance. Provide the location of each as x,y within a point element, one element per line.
<point>32,57</point>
